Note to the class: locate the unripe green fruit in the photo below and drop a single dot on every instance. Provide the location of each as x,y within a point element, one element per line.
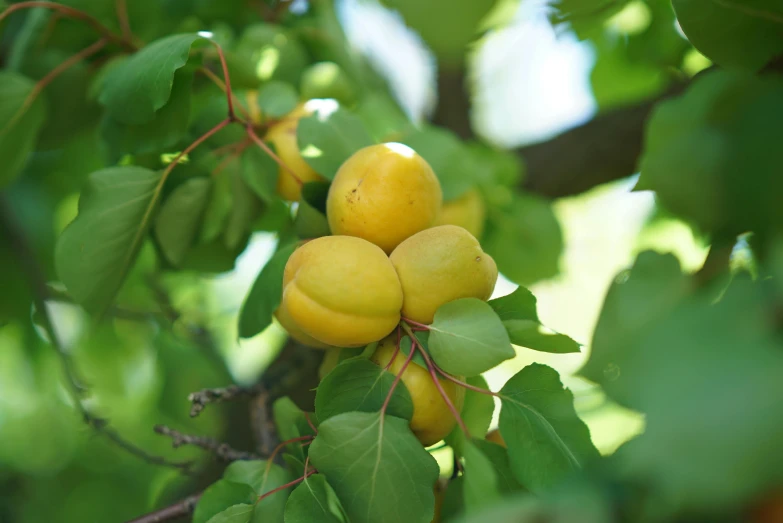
<point>327,80</point>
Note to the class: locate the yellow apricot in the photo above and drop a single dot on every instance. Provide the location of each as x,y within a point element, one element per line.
<point>440,265</point>
<point>384,194</point>
<point>432,420</point>
<point>342,291</point>
<point>468,211</point>
<point>295,331</point>
<point>283,137</point>
<point>495,437</point>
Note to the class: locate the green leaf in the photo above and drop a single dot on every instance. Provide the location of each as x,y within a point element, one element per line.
<point>19,127</point>
<point>707,377</point>
<point>287,421</point>
<point>310,219</point>
<point>245,209</point>
<point>498,457</point>
<point>140,86</point>
<point>260,171</point>
<point>546,439</point>
<point>277,99</point>
<point>377,467</point>
<point>169,126</point>
<point>314,500</point>
<point>447,156</point>
<point>525,240</point>
<point>327,139</point>
<point>586,16</point>
<point>219,496</point>
<point>242,513</point>
<point>695,144</point>
<point>467,338</point>
<point>477,411</point>
<point>634,304</point>
<point>265,295</point>
<point>383,118</point>
<point>745,34</point>
<point>178,220</point>
<point>262,476</point>
<point>362,386</point>
<point>481,482</point>
<point>96,251</point>
<point>520,318</point>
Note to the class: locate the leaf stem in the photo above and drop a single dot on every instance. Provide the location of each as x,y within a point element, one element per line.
<point>41,84</point>
<point>227,81</point>
<point>215,79</point>
<point>436,381</point>
<point>396,349</point>
<point>253,136</point>
<point>398,377</point>
<point>201,139</point>
<point>465,385</point>
<point>416,323</point>
<point>75,14</point>
<point>310,422</point>
<point>121,6</point>
<point>289,484</point>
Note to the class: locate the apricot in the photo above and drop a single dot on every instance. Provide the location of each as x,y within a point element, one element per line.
<point>341,291</point>
<point>384,194</point>
<point>295,331</point>
<point>495,437</point>
<point>440,265</point>
<point>283,137</point>
<point>432,420</point>
<point>468,211</point>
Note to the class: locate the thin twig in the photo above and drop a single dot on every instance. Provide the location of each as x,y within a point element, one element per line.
<point>253,136</point>
<point>262,423</point>
<point>416,323</point>
<point>287,485</point>
<point>398,377</point>
<point>40,290</point>
<point>222,86</point>
<point>122,17</point>
<point>396,349</point>
<point>226,81</point>
<point>219,449</point>
<point>436,381</point>
<point>204,397</point>
<point>180,509</point>
<point>72,13</point>
<point>41,84</point>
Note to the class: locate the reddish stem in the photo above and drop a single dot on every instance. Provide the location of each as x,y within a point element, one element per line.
<point>452,408</point>
<point>421,326</point>
<point>227,80</point>
<point>397,379</point>
<point>49,78</point>
<point>122,17</point>
<point>253,136</point>
<point>310,422</point>
<point>201,139</point>
<point>222,86</point>
<point>289,484</point>
<point>72,13</point>
<point>463,384</point>
<point>280,447</point>
<point>396,350</point>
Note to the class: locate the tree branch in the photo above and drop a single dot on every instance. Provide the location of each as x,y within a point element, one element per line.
<point>204,397</point>
<point>179,509</point>
<point>221,450</point>
<point>35,276</point>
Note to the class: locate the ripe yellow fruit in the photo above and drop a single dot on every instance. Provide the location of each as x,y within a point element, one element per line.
<point>342,291</point>
<point>283,137</point>
<point>440,265</point>
<point>495,437</point>
<point>295,331</point>
<point>384,194</point>
<point>432,420</point>
<point>468,211</point>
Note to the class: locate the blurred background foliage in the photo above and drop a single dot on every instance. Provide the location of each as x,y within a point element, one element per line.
<point>527,74</point>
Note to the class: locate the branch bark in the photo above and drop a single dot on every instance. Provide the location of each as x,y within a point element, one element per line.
<point>179,509</point>
<point>219,449</point>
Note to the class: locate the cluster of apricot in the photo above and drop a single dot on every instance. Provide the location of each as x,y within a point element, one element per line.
<point>388,260</point>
